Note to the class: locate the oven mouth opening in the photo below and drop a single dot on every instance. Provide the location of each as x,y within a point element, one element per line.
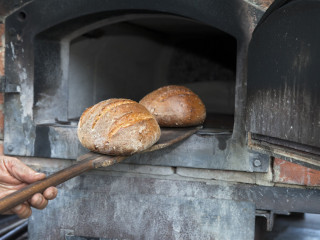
<point>131,58</point>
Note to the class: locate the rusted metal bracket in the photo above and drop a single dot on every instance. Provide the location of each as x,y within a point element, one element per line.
<point>269,216</point>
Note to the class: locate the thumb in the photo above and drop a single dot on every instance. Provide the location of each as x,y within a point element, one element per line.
<point>22,172</point>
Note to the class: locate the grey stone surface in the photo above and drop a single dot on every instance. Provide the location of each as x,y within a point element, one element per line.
<point>102,211</point>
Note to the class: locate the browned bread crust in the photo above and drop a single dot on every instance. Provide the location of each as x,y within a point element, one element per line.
<point>175,106</point>
<point>118,127</point>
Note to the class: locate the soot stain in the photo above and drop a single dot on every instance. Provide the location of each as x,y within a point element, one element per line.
<point>222,142</point>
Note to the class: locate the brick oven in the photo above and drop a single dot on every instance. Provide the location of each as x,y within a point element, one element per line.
<point>255,67</point>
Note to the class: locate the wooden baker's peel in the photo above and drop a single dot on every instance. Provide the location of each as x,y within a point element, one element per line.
<point>88,162</point>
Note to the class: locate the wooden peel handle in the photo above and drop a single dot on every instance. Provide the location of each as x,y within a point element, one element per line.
<point>55,179</point>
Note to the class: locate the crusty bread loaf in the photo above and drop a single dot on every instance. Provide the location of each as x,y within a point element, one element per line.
<point>175,106</point>
<point>118,127</point>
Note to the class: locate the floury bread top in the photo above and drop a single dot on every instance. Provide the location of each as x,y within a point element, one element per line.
<point>118,127</point>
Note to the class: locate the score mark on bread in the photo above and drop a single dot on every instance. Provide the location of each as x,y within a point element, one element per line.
<point>118,127</point>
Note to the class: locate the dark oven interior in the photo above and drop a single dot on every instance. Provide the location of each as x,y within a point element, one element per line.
<point>130,56</point>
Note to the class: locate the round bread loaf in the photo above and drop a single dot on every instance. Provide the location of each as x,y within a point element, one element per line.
<point>118,127</point>
<point>175,106</point>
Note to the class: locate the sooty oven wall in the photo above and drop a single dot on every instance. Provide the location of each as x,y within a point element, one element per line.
<point>54,73</point>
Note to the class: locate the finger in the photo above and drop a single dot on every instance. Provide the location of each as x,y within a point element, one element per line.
<point>23,210</point>
<point>50,193</point>
<point>21,171</point>
<point>38,201</point>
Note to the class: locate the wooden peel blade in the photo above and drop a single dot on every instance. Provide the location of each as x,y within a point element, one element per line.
<point>88,162</point>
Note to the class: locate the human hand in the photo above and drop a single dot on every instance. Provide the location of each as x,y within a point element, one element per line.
<point>15,175</point>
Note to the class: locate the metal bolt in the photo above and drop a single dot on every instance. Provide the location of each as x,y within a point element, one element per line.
<point>257,163</point>
<point>10,148</point>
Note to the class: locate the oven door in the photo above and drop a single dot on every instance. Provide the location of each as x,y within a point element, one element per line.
<point>283,108</point>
